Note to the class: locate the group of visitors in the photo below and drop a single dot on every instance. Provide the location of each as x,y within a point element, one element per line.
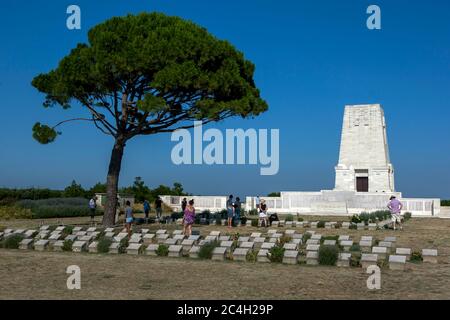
<point>233,212</point>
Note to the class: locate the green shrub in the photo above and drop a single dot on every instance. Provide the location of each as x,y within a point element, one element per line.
<point>445,203</point>
<point>14,212</point>
<point>355,219</point>
<point>67,231</point>
<point>353,226</point>
<point>163,250</point>
<point>300,219</point>
<point>276,254</point>
<point>407,216</point>
<point>328,255</point>
<point>355,247</point>
<point>321,224</point>
<point>289,217</point>
<point>251,256</point>
<point>253,212</point>
<point>306,237</point>
<point>254,222</point>
<point>12,241</point>
<point>283,240</point>
<point>223,213</point>
<point>355,260</point>
<point>206,214</point>
<point>103,244</point>
<point>218,220</point>
<point>364,217</point>
<point>123,245</point>
<point>243,221</point>
<point>416,257</point>
<point>57,207</point>
<point>67,245</point>
<point>207,249</point>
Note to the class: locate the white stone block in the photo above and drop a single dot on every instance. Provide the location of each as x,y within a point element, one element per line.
<point>175,251</point>
<point>219,253</point>
<point>397,262</point>
<point>79,246</point>
<point>26,244</point>
<point>290,257</point>
<point>240,254</point>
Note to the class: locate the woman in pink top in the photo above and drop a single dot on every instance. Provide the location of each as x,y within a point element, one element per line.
<point>189,218</point>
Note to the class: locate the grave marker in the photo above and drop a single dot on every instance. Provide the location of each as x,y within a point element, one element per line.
<point>312,258</point>
<point>430,255</point>
<point>290,257</point>
<point>193,253</point>
<point>368,259</point>
<point>240,254</point>
<point>397,262</point>
<point>262,256</point>
<point>175,251</point>
<point>151,250</point>
<point>344,259</point>
<point>41,245</point>
<point>404,252</point>
<point>26,244</point>
<point>79,246</point>
<point>219,254</point>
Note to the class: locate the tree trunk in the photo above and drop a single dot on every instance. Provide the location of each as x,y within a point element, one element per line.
<point>112,182</point>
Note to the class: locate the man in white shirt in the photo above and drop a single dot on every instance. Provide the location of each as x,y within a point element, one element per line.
<point>93,207</point>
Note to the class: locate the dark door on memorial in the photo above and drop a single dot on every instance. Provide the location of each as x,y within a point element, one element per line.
<point>362,184</point>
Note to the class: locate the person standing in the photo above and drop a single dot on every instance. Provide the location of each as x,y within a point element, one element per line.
<point>183,204</point>
<point>188,218</point>
<point>158,207</point>
<point>237,210</point>
<point>93,208</point>
<point>263,214</point>
<point>128,218</point>
<point>395,207</point>
<point>257,203</point>
<point>146,209</point>
<point>230,210</point>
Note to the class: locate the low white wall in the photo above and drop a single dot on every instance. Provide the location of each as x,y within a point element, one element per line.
<point>325,202</point>
<point>201,203</point>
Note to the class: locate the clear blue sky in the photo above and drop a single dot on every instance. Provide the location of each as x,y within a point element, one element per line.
<point>312,58</point>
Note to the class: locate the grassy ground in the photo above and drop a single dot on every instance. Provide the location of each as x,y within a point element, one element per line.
<point>41,275</point>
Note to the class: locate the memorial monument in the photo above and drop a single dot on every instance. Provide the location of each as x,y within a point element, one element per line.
<point>364,179</point>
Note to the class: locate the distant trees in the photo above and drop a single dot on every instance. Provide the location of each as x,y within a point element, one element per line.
<point>274,194</point>
<point>75,190</point>
<point>142,192</point>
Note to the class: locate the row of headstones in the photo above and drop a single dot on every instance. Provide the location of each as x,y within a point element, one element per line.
<point>313,224</point>
<point>327,225</point>
<point>384,250</point>
<point>178,243</point>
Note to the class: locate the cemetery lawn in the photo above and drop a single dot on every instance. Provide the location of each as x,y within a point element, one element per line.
<point>42,275</point>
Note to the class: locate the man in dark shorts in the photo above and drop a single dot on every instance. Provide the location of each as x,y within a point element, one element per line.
<point>158,207</point>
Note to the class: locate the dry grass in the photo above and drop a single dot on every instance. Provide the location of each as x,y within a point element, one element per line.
<point>41,275</point>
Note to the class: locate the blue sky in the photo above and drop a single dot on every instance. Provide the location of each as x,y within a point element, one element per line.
<point>312,58</point>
